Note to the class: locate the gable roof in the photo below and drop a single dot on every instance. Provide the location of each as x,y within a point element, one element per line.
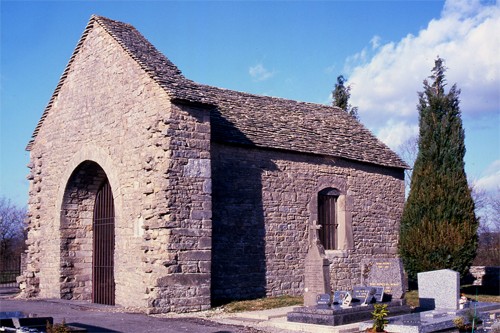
<point>248,119</point>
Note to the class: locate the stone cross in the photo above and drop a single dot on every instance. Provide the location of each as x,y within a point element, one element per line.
<point>317,268</point>
<point>314,232</point>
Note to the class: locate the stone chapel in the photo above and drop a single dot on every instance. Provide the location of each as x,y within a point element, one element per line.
<point>150,190</point>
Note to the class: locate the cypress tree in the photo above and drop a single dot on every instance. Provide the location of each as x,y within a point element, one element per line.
<point>438,225</point>
<point>340,97</point>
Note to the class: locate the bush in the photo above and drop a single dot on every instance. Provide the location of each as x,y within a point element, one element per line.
<point>57,328</point>
<point>379,316</point>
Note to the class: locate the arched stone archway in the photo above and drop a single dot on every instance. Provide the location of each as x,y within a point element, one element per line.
<point>81,193</point>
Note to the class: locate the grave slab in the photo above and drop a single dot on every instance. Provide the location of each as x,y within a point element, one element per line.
<point>429,321</point>
<point>341,315</point>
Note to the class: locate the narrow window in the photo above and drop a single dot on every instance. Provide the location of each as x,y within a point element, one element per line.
<point>327,218</point>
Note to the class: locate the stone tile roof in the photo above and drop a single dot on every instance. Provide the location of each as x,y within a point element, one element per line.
<point>242,118</point>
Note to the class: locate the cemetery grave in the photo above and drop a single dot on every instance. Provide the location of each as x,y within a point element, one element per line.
<point>345,307</point>
<point>439,296</point>
<point>436,320</point>
<point>384,284</point>
<point>349,306</point>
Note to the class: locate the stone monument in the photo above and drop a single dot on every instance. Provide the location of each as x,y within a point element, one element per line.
<point>317,269</point>
<point>439,289</point>
<point>386,273</point>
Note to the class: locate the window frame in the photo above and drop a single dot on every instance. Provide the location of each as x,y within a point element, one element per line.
<point>328,218</point>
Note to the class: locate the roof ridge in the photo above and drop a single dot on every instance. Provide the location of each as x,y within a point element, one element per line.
<point>111,27</point>
<point>276,98</point>
<point>260,120</point>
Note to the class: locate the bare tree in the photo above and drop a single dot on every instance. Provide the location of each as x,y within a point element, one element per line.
<point>487,204</point>
<point>495,209</point>
<point>408,152</point>
<point>11,229</point>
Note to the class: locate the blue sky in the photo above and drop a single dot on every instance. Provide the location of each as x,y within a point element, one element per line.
<point>280,48</point>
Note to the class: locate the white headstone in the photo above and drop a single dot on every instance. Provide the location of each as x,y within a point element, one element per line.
<point>439,289</point>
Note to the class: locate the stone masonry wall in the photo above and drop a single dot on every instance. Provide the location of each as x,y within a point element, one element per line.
<point>182,254</point>
<point>263,201</point>
<point>110,112</point>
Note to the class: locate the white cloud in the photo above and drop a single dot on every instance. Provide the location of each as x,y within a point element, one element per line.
<point>330,69</point>
<point>375,42</point>
<point>260,73</point>
<point>490,179</point>
<point>395,134</point>
<point>387,77</point>
<point>461,8</point>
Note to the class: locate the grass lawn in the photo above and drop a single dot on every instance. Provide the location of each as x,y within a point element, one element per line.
<point>469,291</point>
<point>263,303</point>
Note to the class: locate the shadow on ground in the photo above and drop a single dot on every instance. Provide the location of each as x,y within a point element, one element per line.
<point>91,328</point>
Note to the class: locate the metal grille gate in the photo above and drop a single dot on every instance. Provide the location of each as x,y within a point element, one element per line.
<point>103,281</point>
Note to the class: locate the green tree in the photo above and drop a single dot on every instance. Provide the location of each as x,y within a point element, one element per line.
<point>439,226</point>
<point>341,94</point>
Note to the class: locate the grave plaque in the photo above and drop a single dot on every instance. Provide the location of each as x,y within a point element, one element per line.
<point>347,299</point>
<point>338,296</point>
<point>360,293</point>
<point>386,273</point>
<point>366,295</point>
<point>379,294</point>
<point>323,301</point>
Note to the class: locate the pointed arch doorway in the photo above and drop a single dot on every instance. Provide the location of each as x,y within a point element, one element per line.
<point>103,281</point>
